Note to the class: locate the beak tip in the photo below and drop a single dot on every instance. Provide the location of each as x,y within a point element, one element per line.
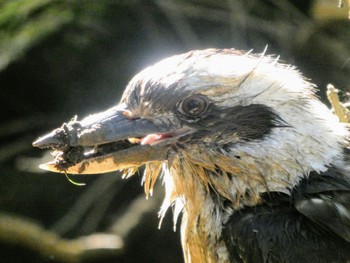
<point>55,139</point>
<point>37,143</point>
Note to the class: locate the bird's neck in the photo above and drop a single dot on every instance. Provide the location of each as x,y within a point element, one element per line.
<point>208,187</point>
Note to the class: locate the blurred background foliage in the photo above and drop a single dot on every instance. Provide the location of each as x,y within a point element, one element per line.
<point>60,58</point>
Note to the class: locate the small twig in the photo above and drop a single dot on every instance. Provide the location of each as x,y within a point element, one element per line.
<point>339,109</point>
<point>16,230</point>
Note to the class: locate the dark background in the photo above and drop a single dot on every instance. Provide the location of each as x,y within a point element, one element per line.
<point>64,58</point>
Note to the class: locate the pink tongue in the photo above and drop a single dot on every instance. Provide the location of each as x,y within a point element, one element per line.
<point>151,138</point>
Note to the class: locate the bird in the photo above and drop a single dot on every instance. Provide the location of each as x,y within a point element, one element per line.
<point>252,161</point>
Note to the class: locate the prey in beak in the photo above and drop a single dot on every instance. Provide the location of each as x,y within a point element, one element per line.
<point>105,142</point>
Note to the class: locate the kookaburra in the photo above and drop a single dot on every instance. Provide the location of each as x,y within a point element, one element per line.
<point>255,163</point>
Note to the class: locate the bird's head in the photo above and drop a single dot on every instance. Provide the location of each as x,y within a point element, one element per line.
<point>230,123</point>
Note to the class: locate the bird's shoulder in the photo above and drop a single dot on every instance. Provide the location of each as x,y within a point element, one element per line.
<point>310,225</point>
<point>325,199</point>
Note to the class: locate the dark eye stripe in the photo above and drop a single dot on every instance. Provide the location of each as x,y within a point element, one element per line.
<point>251,122</point>
<point>254,121</point>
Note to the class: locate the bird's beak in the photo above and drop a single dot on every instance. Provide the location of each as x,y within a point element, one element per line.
<point>106,142</point>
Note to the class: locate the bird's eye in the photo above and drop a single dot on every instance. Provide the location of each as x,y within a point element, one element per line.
<point>194,105</point>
